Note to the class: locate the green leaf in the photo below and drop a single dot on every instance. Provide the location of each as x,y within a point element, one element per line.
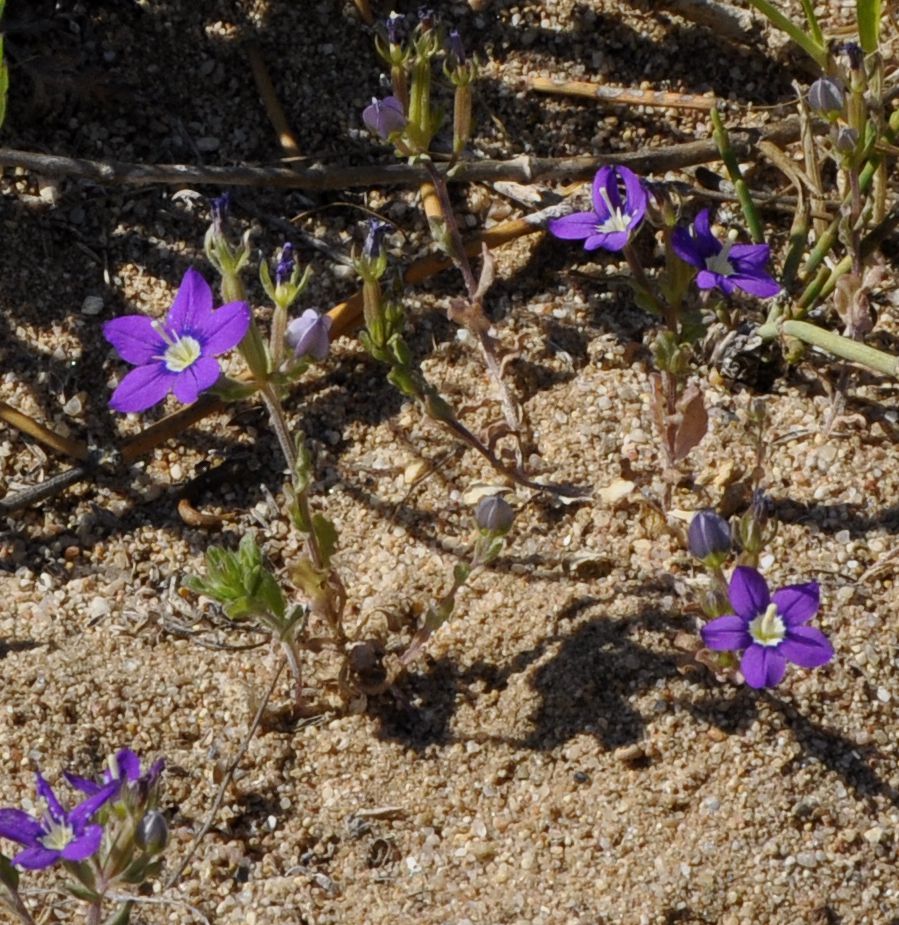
<point>9,876</point>
<point>868,14</point>
<point>816,50</point>
<point>326,534</point>
<point>813,25</point>
<point>120,916</point>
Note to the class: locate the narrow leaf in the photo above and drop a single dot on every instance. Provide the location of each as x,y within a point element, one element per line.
<point>816,50</point>
<point>868,17</point>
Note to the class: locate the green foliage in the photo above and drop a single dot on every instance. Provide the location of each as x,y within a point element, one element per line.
<point>868,13</point>
<point>812,46</point>
<point>240,583</point>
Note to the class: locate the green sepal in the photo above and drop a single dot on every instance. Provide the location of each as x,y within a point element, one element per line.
<point>228,389</point>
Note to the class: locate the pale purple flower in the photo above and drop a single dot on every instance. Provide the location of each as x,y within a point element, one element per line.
<point>374,238</point>
<point>310,334</point>
<point>614,218</point>
<point>708,536</point>
<point>726,265</point>
<point>384,117</point>
<point>178,354</point>
<point>769,628</point>
<point>58,835</point>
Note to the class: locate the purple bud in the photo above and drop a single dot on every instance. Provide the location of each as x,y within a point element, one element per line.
<point>427,18</point>
<point>709,536</point>
<point>494,514</point>
<point>374,238</point>
<point>286,264</point>
<point>152,832</point>
<point>854,53</point>
<point>220,206</point>
<point>310,334</point>
<point>384,117</point>
<point>397,28</point>
<point>454,47</point>
<point>826,97</point>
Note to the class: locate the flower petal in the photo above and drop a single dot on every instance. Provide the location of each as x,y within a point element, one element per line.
<point>193,302</point>
<point>199,376</point>
<point>601,185</point>
<point>36,858</point>
<point>128,764</point>
<point>82,847</point>
<point>607,240</point>
<point>84,810</point>
<point>761,286</point>
<point>685,248</point>
<point>726,633</point>
<point>763,666</point>
<point>806,646</point>
<point>142,388</point>
<point>706,279</point>
<point>748,592</point>
<point>797,604</point>
<point>134,338</point>
<point>575,226</point>
<point>83,784</point>
<point>45,791</point>
<point>635,195</point>
<point>707,244</point>
<point>224,328</point>
<point>750,255</point>
<point>18,826</point>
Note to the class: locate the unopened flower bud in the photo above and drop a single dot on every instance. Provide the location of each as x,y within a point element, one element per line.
<point>397,28</point>
<point>286,264</point>
<point>374,238</point>
<point>846,140</point>
<point>709,537</point>
<point>310,334</point>
<point>454,47</point>
<point>854,53</point>
<point>494,515</point>
<point>826,97</point>
<point>152,832</point>
<point>220,207</point>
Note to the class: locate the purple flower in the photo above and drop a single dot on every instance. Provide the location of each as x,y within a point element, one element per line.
<point>769,628</point>
<point>397,28</point>
<point>613,219</point>
<point>59,834</point>
<point>123,769</point>
<point>178,354</point>
<point>708,537</point>
<point>728,266</point>
<point>384,117</point>
<point>310,334</point>
<point>454,47</point>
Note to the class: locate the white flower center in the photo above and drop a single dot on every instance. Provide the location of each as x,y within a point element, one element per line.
<point>720,263</point>
<point>181,354</point>
<point>617,220</point>
<point>768,628</point>
<point>59,834</point>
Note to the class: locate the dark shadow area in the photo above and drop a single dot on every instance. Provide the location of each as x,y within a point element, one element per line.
<point>585,687</point>
<point>832,518</point>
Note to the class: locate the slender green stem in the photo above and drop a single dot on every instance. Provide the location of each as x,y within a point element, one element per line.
<point>750,213</point>
<point>815,50</point>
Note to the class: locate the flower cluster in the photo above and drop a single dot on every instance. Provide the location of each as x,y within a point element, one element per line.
<point>76,835</point>
<point>620,202</point>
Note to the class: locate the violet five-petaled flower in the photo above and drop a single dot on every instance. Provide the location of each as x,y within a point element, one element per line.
<point>124,768</point>
<point>58,835</point>
<point>310,334</point>
<point>614,218</point>
<point>177,354</point>
<point>726,265</point>
<point>384,117</point>
<point>769,628</point>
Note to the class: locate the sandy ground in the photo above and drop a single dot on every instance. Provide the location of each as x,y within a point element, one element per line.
<point>558,756</point>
